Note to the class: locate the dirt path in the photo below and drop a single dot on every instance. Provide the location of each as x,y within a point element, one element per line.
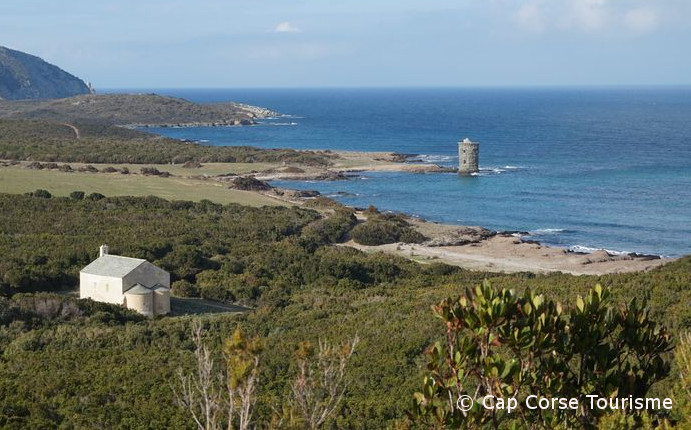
<point>75,129</point>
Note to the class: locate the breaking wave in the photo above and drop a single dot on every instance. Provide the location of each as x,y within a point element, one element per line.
<point>432,159</point>
<point>278,124</point>
<point>589,250</point>
<point>541,231</point>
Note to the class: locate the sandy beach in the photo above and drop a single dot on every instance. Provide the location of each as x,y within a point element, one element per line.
<point>505,253</point>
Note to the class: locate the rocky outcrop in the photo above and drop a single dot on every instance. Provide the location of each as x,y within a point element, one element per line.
<point>396,157</point>
<point>249,183</point>
<point>257,111</point>
<point>25,77</point>
<point>456,236</point>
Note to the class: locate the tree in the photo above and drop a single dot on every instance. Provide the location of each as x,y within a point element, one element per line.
<point>214,396</point>
<point>503,345</point>
<point>319,385</point>
<point>242,365</point>
<point>200,392</point>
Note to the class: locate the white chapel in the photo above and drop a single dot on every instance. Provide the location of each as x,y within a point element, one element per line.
<point>131,282</point>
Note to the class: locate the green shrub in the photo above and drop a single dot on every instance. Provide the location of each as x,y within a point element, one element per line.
<point>330,229</point>
<point>681,391</point>
<point>184,288</point>
<point>381,232</point>
<point>375,233</point>
<point>43,194</point>
<point>500,344</point>
<point>218,293</point>
<point>383,228</point>
<point>95,196</point>
<point>322,202</point>
<point>77,195</point>
<point>410,235</point>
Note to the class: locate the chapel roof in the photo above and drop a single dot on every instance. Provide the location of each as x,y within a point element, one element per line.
<point>113,265</point>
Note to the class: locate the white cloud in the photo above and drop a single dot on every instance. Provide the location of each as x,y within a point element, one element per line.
<point>586,16</point>
<point>538,16</point>
<point>286,27</point>
<point>641,20</point>
<point>589,15</point>
<point>531,17</point>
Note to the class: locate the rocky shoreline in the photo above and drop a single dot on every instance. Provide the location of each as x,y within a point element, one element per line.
<point>477,248</point>
<point>445,237</point>
<point>253,113</point>
<point>471,247</point>
<point>224,123</point>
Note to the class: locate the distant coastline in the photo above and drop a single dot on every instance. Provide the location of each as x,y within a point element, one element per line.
<point>547,156</point>
<point>135,111</point>
<point>580,198</point>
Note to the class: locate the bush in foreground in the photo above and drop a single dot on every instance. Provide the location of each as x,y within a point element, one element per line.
<point>502,345</point>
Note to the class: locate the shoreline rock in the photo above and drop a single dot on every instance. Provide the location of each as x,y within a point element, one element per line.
<point>225,123</point>
<point>461,235</point>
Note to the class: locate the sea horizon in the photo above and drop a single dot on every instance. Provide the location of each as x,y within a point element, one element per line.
<point>109,89</point>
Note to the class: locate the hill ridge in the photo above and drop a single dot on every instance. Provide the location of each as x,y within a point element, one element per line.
<point>138,110</point>
<point>28,77</point>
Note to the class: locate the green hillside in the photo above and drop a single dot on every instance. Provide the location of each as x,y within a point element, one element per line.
<point>281,261</point>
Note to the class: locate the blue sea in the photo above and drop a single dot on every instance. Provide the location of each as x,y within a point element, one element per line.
<point>581,168</point>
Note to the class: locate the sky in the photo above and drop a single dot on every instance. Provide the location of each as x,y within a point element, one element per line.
<point>356,43</point>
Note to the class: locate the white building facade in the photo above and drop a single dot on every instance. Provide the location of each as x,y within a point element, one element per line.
<point>130,282</point>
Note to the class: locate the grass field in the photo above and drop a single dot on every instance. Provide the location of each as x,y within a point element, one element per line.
<point>211,169</point>
<point>18,179</point>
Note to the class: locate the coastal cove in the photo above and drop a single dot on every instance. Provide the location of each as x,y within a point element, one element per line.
<point>586,169</point>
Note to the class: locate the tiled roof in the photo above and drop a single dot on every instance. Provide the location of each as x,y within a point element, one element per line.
<point>113,265</point>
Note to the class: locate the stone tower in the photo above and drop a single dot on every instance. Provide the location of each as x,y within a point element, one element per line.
<point>468,157</point>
